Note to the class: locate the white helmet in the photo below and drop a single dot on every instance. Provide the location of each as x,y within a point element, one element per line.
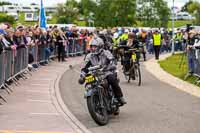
<point>126,31</point>
<point>116,35</point>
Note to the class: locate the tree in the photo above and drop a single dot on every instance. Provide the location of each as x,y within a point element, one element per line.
<point>194,9</point>
<point>87,9</point>
<point>153,13</point>
<point>68,12</point>
<point>111,13</point>
<point>5,3</point>
<point>7,18</point>
<point>185,7</point>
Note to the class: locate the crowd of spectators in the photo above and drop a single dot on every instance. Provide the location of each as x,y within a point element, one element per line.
<point>63,42</point>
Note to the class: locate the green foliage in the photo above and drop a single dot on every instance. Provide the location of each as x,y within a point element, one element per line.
<point>6,18</point>
<point>194,8</point>
<point>185,7</point>
<point>5,3</point>
<point>171,65</point>
<point>69,10</point>
<point>63,20</point>
<point>153,14</point>
<point>110,13</point>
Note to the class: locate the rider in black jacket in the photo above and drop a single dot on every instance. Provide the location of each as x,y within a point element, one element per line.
<point>130,43</point>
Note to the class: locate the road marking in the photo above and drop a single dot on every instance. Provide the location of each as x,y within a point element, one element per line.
<point>49,114</point>
<point>38,91</point>
<point>43,85</point>
<point>13,131</point>
<point>42,79</point>
<point>41,101</point>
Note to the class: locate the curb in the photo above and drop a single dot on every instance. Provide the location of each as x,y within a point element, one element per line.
<point>154,68</point>
<point>77,126</point>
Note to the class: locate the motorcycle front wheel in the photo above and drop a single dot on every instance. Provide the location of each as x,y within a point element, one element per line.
<point>97,111</point>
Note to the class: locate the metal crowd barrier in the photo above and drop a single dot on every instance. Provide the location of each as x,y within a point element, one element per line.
<point>20,61</point>
<point>75,47</point>
<point>41,53</point>
<point>2,69</point>
<point>15,62</point>
<point>194,58</point>
<point>8,64</point>
<point>197,63</point>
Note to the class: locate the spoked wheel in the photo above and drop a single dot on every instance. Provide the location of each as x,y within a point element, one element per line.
<point>97,112</point>
<point>125,74</point>
<point>137,74</point>
<point>131,74</point>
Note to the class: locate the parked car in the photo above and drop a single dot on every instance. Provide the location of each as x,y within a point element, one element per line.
<point>184,16</point>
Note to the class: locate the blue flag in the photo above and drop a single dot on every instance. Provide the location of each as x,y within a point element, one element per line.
<point>42,20</point>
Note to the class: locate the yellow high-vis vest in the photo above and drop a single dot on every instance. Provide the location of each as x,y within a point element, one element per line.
<point>157,39</point>
<point>124,37</point>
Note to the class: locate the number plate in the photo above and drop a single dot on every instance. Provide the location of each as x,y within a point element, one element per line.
<point>133,56</point>
<point>89,79</point>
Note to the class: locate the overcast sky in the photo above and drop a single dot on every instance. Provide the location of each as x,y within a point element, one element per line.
<point>178,3</point>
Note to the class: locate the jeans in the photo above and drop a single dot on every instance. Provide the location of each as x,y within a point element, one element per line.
<point>47,53</point>
<point>178,46</point>
<point>191,60</point>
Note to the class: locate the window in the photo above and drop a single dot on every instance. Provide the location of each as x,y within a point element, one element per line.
<point>29,15</point>
<point>26,8</point>
<point>11,8</point>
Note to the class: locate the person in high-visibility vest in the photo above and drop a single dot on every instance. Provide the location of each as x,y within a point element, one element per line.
<point>157,43</point>
<point>178,40</point>
<point>116,41</point>
<point>125,35</point>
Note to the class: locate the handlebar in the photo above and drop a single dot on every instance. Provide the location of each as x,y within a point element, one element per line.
<point>134,50</point>
<point>94,68</point>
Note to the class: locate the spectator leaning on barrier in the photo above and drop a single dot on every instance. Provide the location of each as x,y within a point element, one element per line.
<point>44,41</point>
<point>6,44</point>
<point>157,43</point>
<point>17,39</point>
<point>9,36</point>
<point>191,51</point>
<point>60,44</point>
<point>30,43</point>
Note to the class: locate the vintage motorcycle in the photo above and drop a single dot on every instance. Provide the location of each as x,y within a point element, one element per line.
<point>101,101</point>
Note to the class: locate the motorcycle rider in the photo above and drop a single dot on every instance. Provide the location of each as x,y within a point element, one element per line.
<point>99,56</point>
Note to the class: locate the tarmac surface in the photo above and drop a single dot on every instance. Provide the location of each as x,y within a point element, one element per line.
<point>154,107</point>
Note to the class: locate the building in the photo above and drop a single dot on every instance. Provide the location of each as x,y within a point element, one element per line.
<point>25,9</point>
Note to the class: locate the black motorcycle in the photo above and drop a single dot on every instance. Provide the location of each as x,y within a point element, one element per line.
<point>101,101</point>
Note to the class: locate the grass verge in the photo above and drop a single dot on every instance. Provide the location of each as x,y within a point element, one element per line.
<point>177,66</point>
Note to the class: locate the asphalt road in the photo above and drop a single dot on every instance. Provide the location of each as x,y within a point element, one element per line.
<point>154,107</point>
